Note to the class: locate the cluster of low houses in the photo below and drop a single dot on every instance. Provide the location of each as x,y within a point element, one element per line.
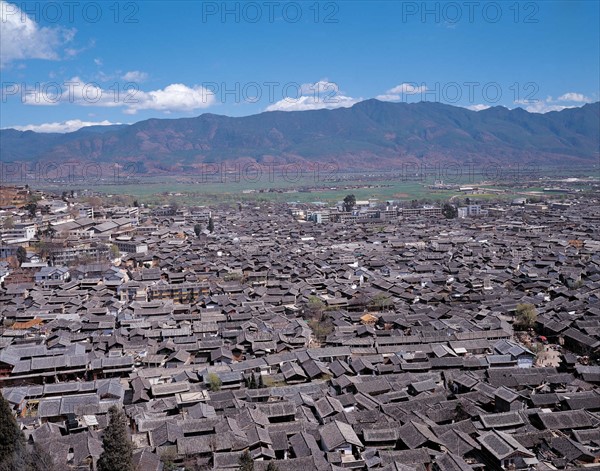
<point>208,340</point>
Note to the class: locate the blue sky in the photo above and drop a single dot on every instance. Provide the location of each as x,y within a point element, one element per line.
<point>64,65</point>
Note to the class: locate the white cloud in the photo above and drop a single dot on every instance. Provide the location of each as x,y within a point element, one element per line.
<point>74,90</point>
<point>541,107</point>
<point>396,93</point>
<point>314,96</point>
<point>305,103</point>
<point>50,94</point>
<point>174,97</point>
<point>547,105</point>
<point>62,127</point>
<point>23,38</point>
<point>135,76</point>
<point>478,107</point>
<point>388,97</point>
<point>319,88</point>
<point>408,89</point>
<point>572,96</point>
<point>98,62</point>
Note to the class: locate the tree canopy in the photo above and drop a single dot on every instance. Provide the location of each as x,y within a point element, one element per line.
<point>381,301</point>
<point>13,441</point>
<point>118,449</point>
<point>246,463</point>
<point>449,211</point>
<point>21,254</point>
<point>526,316</point>
<point>14,453</point>
<point>315,306</point>
<point>349,202</point>
<point>214,382</point>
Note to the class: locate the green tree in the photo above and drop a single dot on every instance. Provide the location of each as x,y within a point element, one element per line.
<point>136,204</point>
<point>114,251</point>
<point>12,441</point>
<point>526,316</point>
<point>168,458</point>
<point>118,450</point>
<point>381,301</point>
<point>44,250</point>
<point>49,231</point>
<point>246,463</point>
<point>174,205</point>
<point>321,328</point>
<point>260,383</point>
<point>252,384</point>
<point>349,202</point>
<point>8,223</point>
<point>272,466</point>
<point>21,254</point>
<point>197,230</point>
<point>39,459</point>
<point>449,211</point>
<point>32,208</point>
<point>214,382</point>
<point>315,306</point>
<point>211,224</point>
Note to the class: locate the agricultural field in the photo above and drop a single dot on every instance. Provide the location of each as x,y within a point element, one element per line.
<point>305,190</point>
<point>327,188</point>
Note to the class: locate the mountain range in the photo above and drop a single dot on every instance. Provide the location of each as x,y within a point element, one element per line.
<point>370,134</point>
